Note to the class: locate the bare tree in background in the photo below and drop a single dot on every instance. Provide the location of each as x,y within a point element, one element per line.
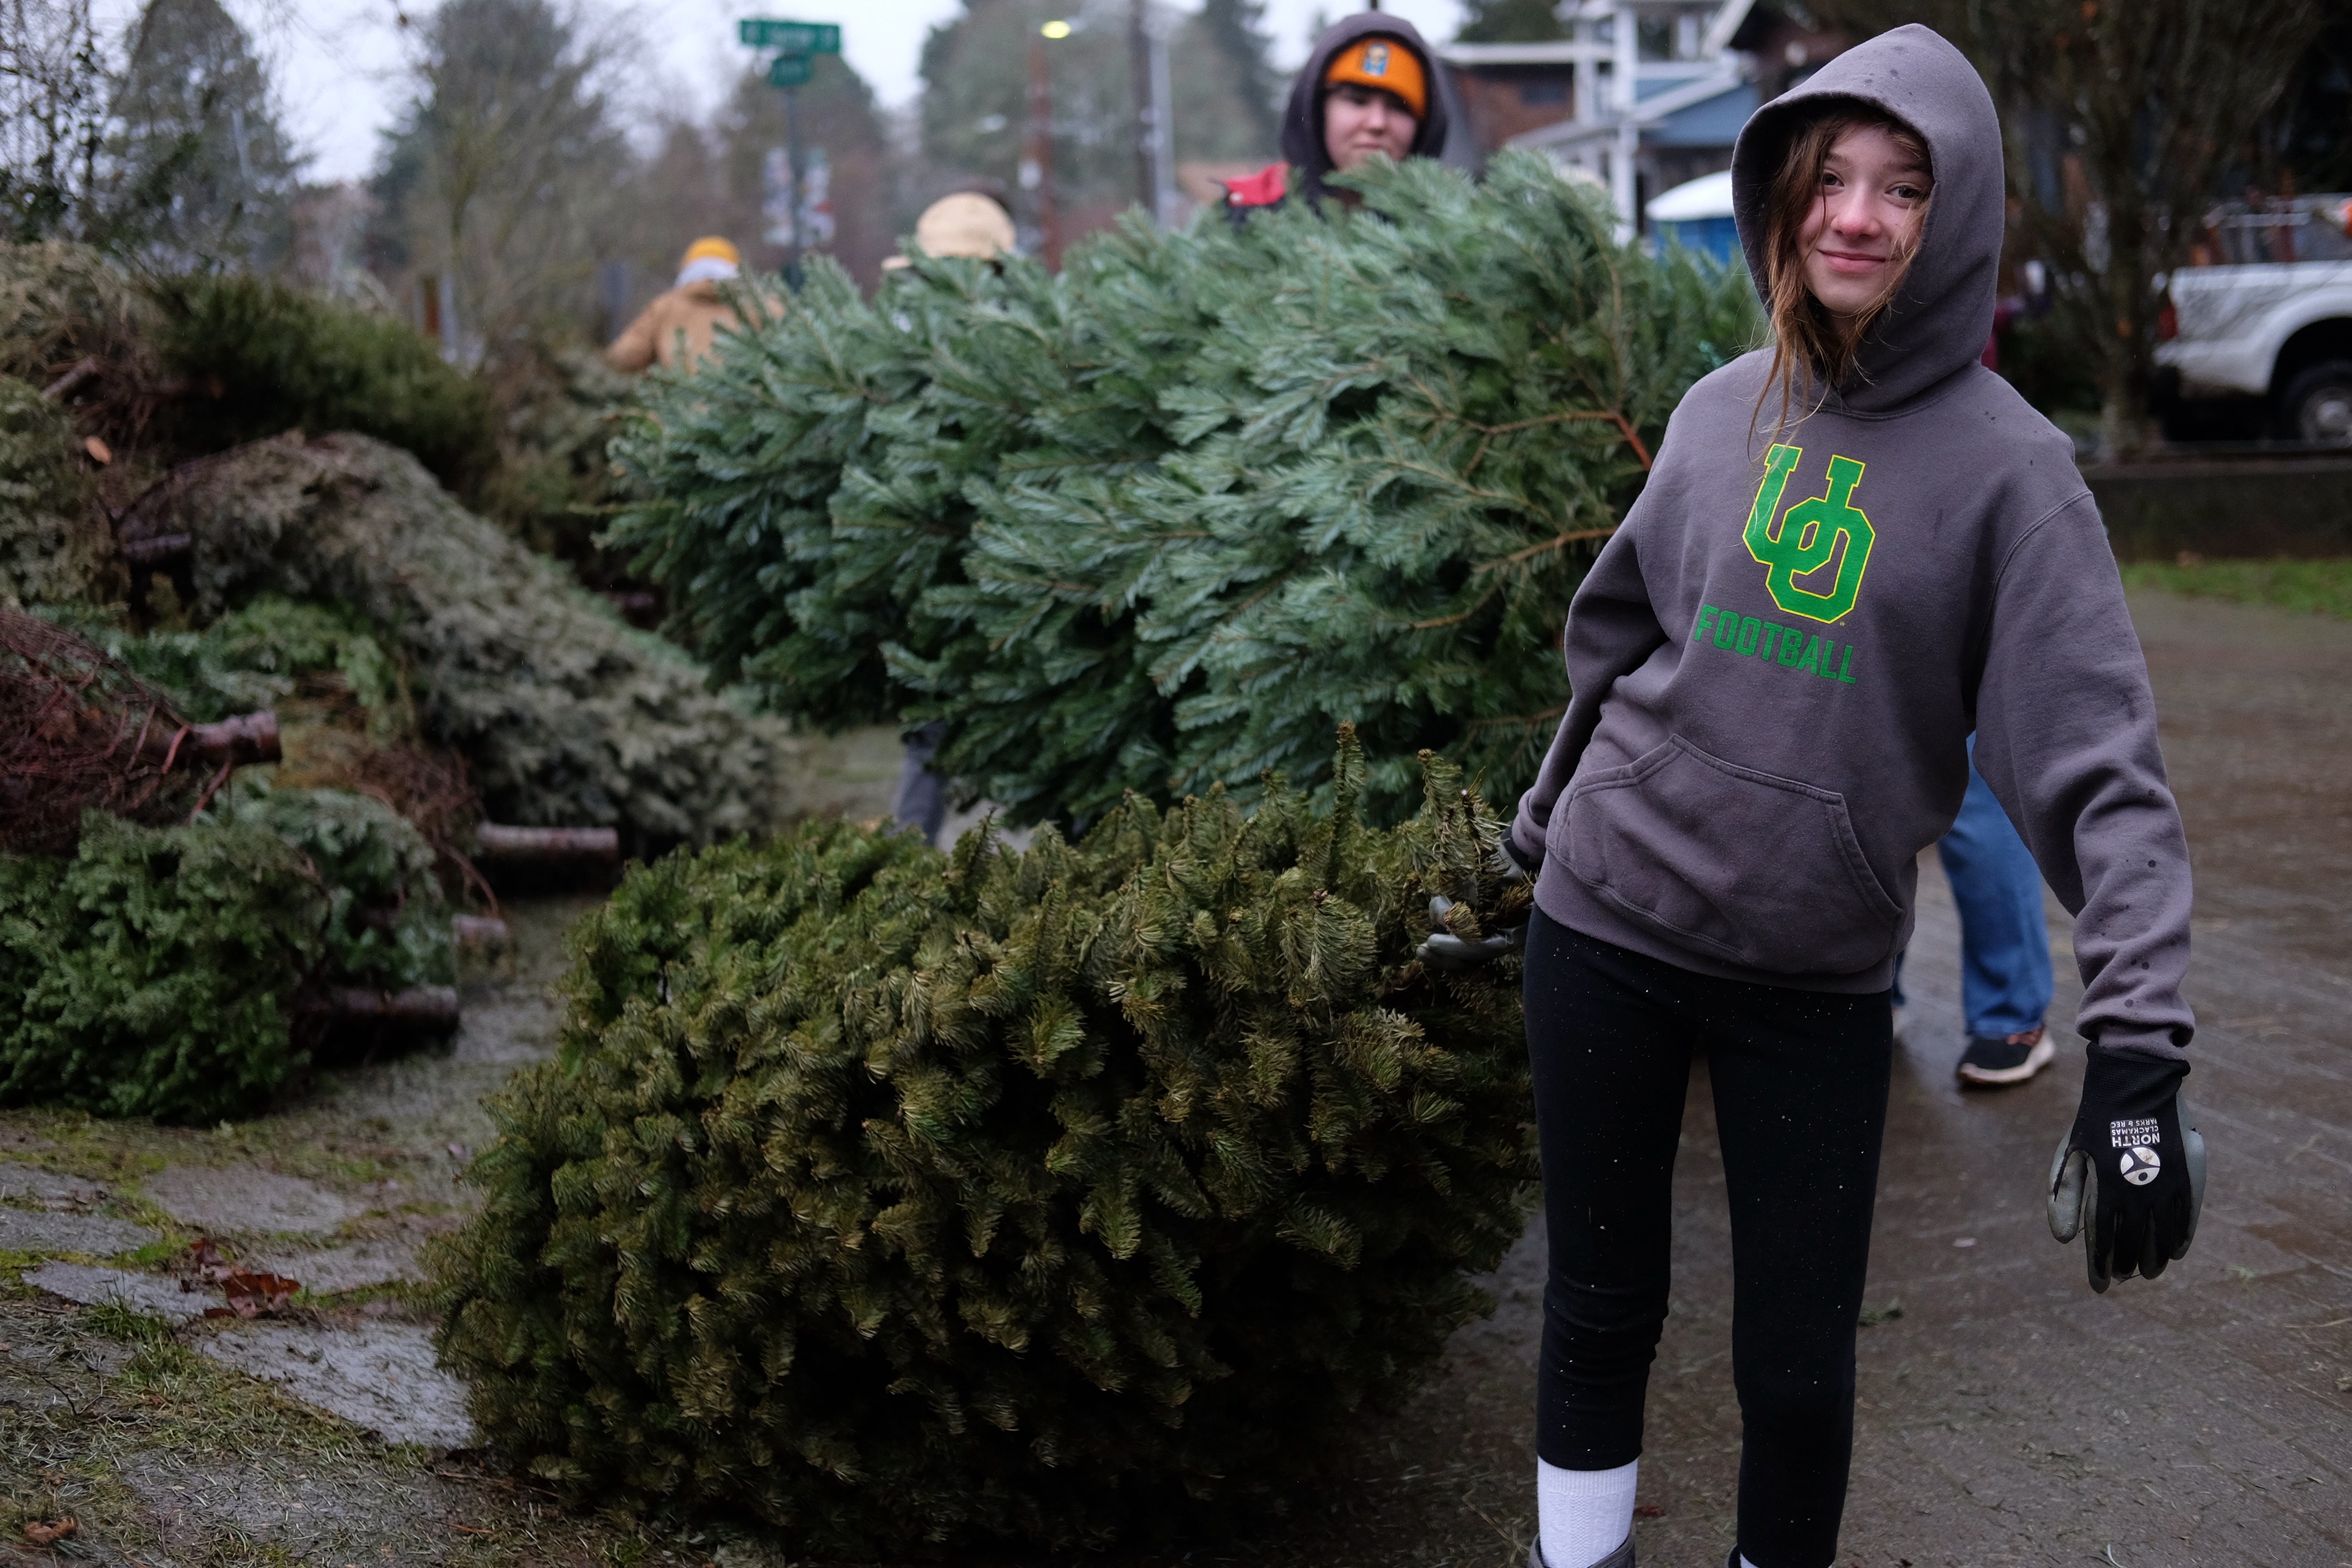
<point>53,91</point>
<point>2123,118</point>
<point>508,172</point>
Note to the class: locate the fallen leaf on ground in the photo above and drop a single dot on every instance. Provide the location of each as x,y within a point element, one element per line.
<point>1649,1511</point>
<point>48,1534</point>
<point>251,1294</point>
<point>99,451</point>
<point>205,1264</point>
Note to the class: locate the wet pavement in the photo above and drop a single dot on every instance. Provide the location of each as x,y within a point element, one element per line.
<point>2006,1415</point>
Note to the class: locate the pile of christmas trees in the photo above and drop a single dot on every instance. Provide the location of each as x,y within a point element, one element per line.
<point>177,935</point>
<point>892,1196</point>
<point>1163,520</point>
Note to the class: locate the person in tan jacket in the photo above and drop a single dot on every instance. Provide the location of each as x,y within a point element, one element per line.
<point>674,331</point>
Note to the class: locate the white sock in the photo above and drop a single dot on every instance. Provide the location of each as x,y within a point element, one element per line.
<point>1744,1563</point>
<point>1584,1515</point>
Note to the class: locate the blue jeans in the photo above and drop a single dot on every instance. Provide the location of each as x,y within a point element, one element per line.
<point>2004,937</point>
<point>922,800</point>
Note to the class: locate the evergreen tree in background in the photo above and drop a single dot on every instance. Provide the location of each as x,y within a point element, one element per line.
<point>975,100</point>
<point>509,170</point>
<point>1509,22</point>
<point>975,103</point>
<point>204,175</point>
<point>1166,519</point>
<point>1235,30</point>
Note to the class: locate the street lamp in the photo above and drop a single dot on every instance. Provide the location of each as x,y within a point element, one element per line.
<point>1038,155</point>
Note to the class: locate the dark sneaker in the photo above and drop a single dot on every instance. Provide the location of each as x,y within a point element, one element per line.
<point>1992,1064</point>
<point>1620,1558</point>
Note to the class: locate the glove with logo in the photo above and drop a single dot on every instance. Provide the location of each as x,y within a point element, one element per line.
<point>1444,949</point>
<point>2131,1173</point>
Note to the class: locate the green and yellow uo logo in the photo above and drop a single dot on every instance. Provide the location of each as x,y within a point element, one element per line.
<point>1806,539</point>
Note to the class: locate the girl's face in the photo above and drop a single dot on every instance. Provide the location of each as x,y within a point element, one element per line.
<point>1866,217</point>
<point>1359,121</point>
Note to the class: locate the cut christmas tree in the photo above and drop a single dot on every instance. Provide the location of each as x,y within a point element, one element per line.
<point>1161,521</point>
<point>890,1197</point>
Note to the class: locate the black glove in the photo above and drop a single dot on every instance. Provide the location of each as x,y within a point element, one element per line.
<point>2132,1170</point>
<point>1514,862</point>
<point>1442,950</point>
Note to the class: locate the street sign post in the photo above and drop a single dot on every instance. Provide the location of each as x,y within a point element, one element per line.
<point>796,45</point>
<point>792,38</point>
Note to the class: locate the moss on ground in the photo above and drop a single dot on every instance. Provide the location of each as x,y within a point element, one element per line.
<point>111,1417</point>
<point>2318,587</point>
<point>111,1420</point>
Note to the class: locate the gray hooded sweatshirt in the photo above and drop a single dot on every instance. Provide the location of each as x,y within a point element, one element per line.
<point>1777,659</point>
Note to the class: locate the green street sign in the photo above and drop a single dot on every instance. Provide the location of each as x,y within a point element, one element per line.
<point>791,37</point>
<point>789,70</point>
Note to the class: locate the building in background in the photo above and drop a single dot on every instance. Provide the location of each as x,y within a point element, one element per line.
<point>1697,215</point>
<point>1643,96</point>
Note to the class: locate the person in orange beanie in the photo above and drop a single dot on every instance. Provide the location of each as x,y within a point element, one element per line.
<point>1369,87</point>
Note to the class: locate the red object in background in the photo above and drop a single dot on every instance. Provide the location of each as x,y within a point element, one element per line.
<point>2167,324</point>
<point>1262,189</point>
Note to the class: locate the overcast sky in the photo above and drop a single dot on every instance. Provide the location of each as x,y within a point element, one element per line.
<point>339,63</point>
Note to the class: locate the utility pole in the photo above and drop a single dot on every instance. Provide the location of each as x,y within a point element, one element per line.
<point>1146,110</point>
<point>1037,152</point>
<point>1163,133</point>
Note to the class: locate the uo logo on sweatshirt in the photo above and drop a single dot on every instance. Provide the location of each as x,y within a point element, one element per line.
<point>1806,540</point>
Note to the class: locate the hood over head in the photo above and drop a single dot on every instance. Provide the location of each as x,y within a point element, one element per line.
<point>1302,121</point>
<point>1942,314</point>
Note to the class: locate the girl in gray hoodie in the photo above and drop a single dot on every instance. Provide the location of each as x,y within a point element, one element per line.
<point>1856,547</point>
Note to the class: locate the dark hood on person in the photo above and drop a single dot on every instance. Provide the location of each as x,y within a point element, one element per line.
<point>1942,313</point>
<point>1302,119</point>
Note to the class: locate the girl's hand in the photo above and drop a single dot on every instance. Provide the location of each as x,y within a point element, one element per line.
<point>2131,1172</point>
<point>1444,949</point>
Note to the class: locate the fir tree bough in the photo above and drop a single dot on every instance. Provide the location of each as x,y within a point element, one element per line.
<point>1163,520</point>
<point>568,716</point>
<point>888,1197</point>
<point>160,971</point>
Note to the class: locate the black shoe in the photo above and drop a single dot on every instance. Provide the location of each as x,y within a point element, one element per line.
<point>1620,1558</point>
<point>1992,1064</point>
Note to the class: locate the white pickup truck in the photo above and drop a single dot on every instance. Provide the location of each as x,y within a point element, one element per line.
<point>2274,320</point>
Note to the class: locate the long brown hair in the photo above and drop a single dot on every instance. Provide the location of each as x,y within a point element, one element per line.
<point>1811,346</point>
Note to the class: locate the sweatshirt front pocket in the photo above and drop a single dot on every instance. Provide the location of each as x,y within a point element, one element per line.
<point>1743,864</point>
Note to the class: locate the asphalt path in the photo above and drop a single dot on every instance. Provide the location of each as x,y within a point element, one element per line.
<point>2006,1414</point>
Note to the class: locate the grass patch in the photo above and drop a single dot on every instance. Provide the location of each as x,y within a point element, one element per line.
<point>129,1325</point>
<point>2316,587</point>
<point>165,1439</point>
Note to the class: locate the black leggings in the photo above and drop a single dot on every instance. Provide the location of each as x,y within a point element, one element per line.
<point>1800,1103</point>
